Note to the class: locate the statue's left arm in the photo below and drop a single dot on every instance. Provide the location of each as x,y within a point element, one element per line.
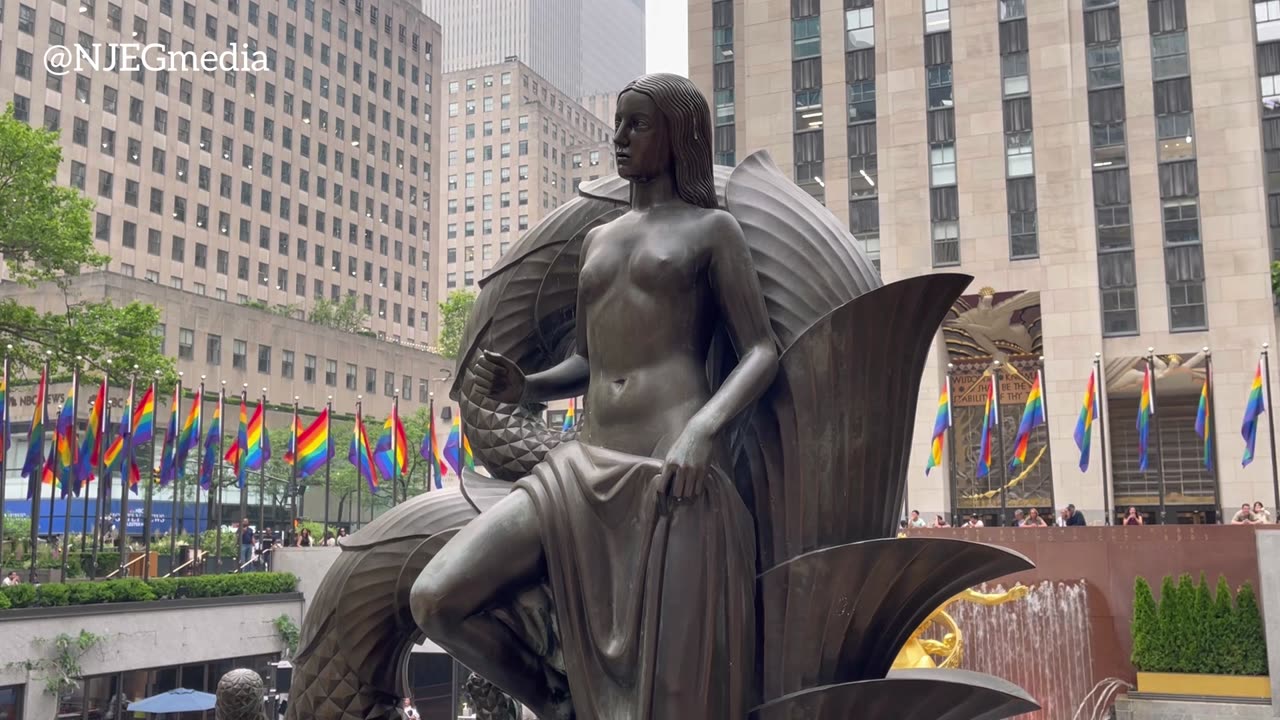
<point>736,289</point>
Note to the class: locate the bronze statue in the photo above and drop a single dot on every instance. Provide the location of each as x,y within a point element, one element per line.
<point>712,543</point>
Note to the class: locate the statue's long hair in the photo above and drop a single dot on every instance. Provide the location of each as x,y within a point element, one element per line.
<point>689,128</point>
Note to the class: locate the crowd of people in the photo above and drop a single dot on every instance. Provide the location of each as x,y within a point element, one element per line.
<point>257,546</point>
<point>1255,514</point>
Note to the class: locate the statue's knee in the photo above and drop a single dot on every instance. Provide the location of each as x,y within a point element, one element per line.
<point>429,603</point>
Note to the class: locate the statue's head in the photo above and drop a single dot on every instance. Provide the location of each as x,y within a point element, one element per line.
<point>663,126</point>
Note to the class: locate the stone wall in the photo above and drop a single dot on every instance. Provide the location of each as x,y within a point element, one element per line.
<point>1269,592</point>
<point>1130,708</point>
<point>142,635</point>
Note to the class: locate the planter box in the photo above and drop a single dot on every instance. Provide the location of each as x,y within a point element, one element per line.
<point>1221,686</point>
<point>1133,707</point>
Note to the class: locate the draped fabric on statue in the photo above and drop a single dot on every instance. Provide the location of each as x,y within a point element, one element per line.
<point>692,563</point>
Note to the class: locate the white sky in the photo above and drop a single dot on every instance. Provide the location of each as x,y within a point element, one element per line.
<point>667,36</point>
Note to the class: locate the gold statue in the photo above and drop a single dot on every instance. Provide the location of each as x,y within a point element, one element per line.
<point>919,652</point>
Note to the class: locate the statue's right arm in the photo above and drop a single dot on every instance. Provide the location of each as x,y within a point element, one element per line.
<point>570,377</point>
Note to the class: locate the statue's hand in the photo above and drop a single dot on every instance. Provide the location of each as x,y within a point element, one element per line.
<point>499,378</point>
<point>687,464</point>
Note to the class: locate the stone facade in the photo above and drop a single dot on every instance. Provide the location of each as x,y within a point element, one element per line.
<point>1134,708</point>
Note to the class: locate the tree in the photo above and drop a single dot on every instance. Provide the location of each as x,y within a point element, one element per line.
<point>46,235</point>
<point>1223,655</point>
<point>1185,627</point>
<point>342,314</point>
<point>1275,281</point>
<point>1249,632</point>
<point>454,313</point>
<point>1201,629</point>
<point>1145,625</point>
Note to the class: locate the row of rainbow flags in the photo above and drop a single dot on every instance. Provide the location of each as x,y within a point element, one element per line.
<point>1033,415</point>
<point>70,466</point>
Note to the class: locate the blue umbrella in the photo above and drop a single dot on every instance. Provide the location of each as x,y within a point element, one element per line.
<point>175,701</point>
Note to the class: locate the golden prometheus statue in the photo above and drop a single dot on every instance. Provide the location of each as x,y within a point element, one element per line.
<point>919,652</point>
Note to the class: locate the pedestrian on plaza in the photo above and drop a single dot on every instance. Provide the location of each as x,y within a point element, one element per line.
<point>1244,517</point>
<point>1074,517</point>
<point>1034,519</point>
<point>1018,518</point>
<point>329,540</point>
<point>265,547</point>
<point>407,711</point>
<point>246,543</point>
<point>1260,514</point>
<point>1133,517</point>
<point>916,520</point>
<point>13,578</point>
<point>973,522</point>
<point>940,522</point>
<point>305,539</point>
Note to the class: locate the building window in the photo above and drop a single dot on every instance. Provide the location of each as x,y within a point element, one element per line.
<point>1019,154</point>
<point>1013,68</point>
<point>1271,95</point>
<point>805,39</point>
<point>264,359</point>
<point>863,171</point>
<point>286,364</point>
<point>946,243</point>
<point>351,377</point>
<point>937,15</point>
<point>1108,144</point>
<point>331,373</point>
<point>309,368</point>
<point>942,165</point>
<point>1013,9</point>
<point>1266,16</point>
<point>213,350</point>
<point>1175,137</point>
<point>940,90</point>
<point>186,343</point>
<point>1104,66</point>
<point>862,100</point>
<point>1169,56</point>
<point>860,30</point>
<point>1022,235</point>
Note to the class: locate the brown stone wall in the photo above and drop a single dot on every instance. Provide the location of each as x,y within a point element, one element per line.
<point>1110,558</point>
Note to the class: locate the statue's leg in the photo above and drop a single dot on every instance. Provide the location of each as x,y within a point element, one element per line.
<point>491,559</point>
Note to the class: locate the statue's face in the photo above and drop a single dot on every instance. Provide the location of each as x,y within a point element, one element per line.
<point>641,142</point>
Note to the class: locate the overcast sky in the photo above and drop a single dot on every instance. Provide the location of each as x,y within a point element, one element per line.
<point>667,36</point>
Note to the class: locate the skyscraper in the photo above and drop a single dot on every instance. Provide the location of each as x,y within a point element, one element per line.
<point>582,47</point>
<point>1104,168</point>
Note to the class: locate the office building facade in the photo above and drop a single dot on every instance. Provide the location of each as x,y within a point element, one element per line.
<point>1103,168</point>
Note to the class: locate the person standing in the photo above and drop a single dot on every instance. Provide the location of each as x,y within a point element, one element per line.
<point>246,543</point>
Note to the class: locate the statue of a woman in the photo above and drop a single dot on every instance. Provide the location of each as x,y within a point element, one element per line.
<point>639,520</point>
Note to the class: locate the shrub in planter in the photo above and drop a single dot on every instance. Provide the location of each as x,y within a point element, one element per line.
<point>1190,632</point>
<point>1249,632</point>
<point>1221,623</point>
<point>20,596</point>
<point>1146,626</point>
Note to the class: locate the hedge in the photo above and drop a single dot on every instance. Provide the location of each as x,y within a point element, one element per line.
<point>137,590</point>
<point>1193,630</point>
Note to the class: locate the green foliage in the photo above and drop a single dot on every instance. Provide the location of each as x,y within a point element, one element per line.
<point>289,633</point>
<point>61,669</point>
<point>1250,633</point>
<point>46,234</point>
<point>136,590</point>
<point>1145,623</point>
<point>281,310</point>
<point>4,602</point>
<point>1275,281</point>
<point>344,314</point>
<point>454,313</point>
<point>1190,631</point>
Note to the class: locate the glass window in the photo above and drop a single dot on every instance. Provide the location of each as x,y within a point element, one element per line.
<point>1115,230</point>
<point>860,30</point>
<point>1104,66</point>
<point>942,165</point>
<point>1271,95</point>
<point>939,80</point>
<point>1014,70</point>
<point>264,359</point>
<point>863,172</point>
<point>1175,136</point>
<point>937,15</point>
<point>862,101</point>
<point>1022,235</point>
<point>186,343</point>
<point>946,243</point>
<point>1019,154</point>
<point>1266,15</point>
<point>1011,9</point>
<point>1169,56</point>
<point>286,364</point>
<point>1186,305</point>
<point>805,39</point>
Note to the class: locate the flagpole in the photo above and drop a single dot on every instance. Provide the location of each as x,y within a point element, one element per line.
<point>999,431</point>
<point>1044,407</point>
<point>293,468</point>
<point>1271,426</point>
<point>328,466</point>
<point>195,507</point>
<point>359,479</point>
<point>1155,421</point>
<point>262,473</point>
<point>395,463</point>
<point>175,510</point>
<point>953,480</point>
<point>33,479</point>
<point>1211,429</point>
<point>70,472</point>
<point>126,468</point>
<point>4,443</point>
<point>1099,387</point>
<point>84,511</point>
<point>149,502</point>
<point>433,463</point>
<point>104,420</point>
<point>244,486</point>
<point>217,484</point>
<point>55,479</point>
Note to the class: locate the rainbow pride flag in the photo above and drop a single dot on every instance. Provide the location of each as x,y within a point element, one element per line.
<point>570,418</point>
<point>453,446</point>
<point>121,447</point>
<point>1032,417</point>
<point>235,455</point>
<point>360,454</point>
<point>1146,410</point>
<point>941,423</point>
<point>91,444</point>
<point>430,451</point>
<point>259,443</point>
<point>1254,407</point>
<point>211,441</point>
<point>314,446</point>
<point>7,440</point>
<point>64,443</point>
<point>1089,412</point>
<point>1203,424</point>
<point>169,454</point>
<point>382,454</point>
<point>34,461</point>
<point>144,417</point>
<point>990,425</point>
<point>190,437</point>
